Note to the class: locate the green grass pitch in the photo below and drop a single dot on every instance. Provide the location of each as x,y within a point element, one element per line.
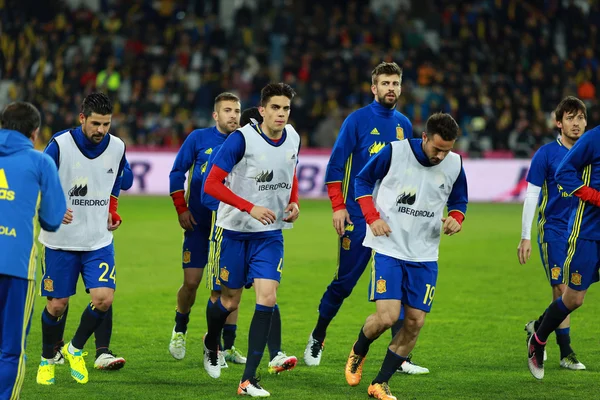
<point>473,340</point>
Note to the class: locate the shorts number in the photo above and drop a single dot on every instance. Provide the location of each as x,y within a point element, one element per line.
<point>280,266</point>
<point>111,275</point>
<point>428,299</point>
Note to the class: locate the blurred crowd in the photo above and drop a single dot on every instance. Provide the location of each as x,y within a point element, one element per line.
<point>499,66</point>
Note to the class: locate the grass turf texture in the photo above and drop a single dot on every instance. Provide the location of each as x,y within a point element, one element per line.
<point>473,340</point>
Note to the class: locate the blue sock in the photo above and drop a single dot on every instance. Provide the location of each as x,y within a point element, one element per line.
<point>274,341</point>
<point>563,339</point>
<point>181,321</point>
<point>229,336</point>
<point>257,339</point>
<point>90,320</point>
<point>555,315</point>
<point>391,363</point>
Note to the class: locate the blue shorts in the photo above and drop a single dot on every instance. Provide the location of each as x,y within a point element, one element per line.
<point>242,261</point>
<point>582,263</point>
<point>413,283</point>
<point>61,269</point>
<point>553,259</point>
<point>195,248</point>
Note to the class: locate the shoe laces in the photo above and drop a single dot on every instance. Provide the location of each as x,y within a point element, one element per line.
<point>409,358</point>
<point>255,382</point>
<point>356,360</point>
<point>213,357</point>
<point>386,388</point>
<point>315,348</point>
<point>572,358</point>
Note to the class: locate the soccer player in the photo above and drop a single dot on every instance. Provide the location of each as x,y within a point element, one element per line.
<point>402,192</point>
<point>30,191</point>
<point>280,361</point>
<point>196,219</point>
<point>577,174</point>
<point>362,135</point>
<point>554,211</point>
<point>258,163</point>
<point>90,164</point>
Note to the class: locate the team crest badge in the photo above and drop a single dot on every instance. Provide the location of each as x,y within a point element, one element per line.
<point>576,278</point>
<point>555,272</point>
<point>49,285</point>
<point>218,281</point>
<point>187,257</point>
<point>224,275</point>
<point>346,243</point>
<point>399,133</point>
<point>381,287</point>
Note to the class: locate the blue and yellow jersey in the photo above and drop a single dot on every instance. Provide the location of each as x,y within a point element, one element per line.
<point>193,157</point>
<point>581,167</point>
<point>363,134</point>
<point>30,191</point>
<point>554,205</point>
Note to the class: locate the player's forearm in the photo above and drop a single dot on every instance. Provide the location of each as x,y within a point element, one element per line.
<point>112,209</point>
<point>179,201</point>
<point>294,197</point>
<point>214,187</point>
<point>367,206</point>
<point>529,208</point>
<point>334,191</point>
<point>588,195</point>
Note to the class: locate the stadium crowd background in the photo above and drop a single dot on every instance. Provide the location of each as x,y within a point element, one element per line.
<point>499,66</point>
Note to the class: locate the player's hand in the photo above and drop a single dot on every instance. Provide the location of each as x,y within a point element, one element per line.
<point>187,221</point>
<point>68,217</point>
<point>111,226</point>
<point>263,215</point>
<point>294,212</point>
<point>451,226</point>
<point>524,251</point>
<point>340,218</point>
<point>380,228</point>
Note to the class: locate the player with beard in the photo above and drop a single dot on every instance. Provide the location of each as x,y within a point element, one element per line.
<point>554,212</point>
<point>362,135</point>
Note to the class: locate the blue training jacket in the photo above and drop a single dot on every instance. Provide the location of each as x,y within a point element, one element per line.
<point>30,191</point>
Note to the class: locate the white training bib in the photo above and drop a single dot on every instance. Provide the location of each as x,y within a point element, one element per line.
<point>87,184</point>
<point>411,199</point>
<point>264,177</point>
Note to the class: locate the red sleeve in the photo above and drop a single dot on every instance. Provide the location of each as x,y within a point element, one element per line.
<point>112,209</point>
<point>457,215</point>
<point>589,195</point>
<point>334,190</point>
<point>294,196</point>
<point>215,187</point>
<point>368,209</point>
<point>179,201</point>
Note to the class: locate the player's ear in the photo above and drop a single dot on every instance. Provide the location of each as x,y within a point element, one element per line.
<point>424,136</point>
<point>34,135</point>
<point>559,124</point>
<point>261,110</point>
<point>374,89</point>
<point>215,115</point>
<point>81,118</point>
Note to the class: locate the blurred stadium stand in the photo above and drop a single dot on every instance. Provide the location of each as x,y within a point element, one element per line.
<point>499,66</point>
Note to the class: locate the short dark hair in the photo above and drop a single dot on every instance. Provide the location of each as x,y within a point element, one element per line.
<point>98,103</point>
<point>385,68</point>
<point>22,117</point>
<point>226,96</point>
<point>249,113</point>
<point>442,124</point>
<point>276,89</point>
<point>570,104</point>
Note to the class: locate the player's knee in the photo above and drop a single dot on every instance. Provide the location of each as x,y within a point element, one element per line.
<point>57,307</point>
<point>191,283</point>
<point>575,302</point>
<point>102,302</point>
<point>230,303</point>
<point>388,319</point>
<point>414,323</point>
<point>214,295</point>
<point>341,290</point>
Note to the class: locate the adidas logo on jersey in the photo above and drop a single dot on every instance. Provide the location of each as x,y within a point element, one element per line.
<point>5,192</point>
<point>265,176</point>
<point>293,156</point>
<point>442,186</point>
<point>110,171</point>
<point>374,131</point>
